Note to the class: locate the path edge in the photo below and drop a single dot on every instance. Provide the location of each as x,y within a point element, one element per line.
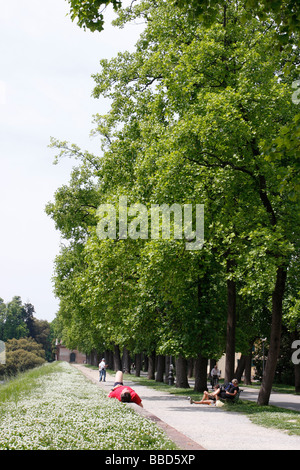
<point>180,439</point>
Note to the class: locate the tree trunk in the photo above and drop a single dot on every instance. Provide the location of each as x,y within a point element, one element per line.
<point>167,368</point>
<point>126,361</point>
<point>109,357</point>
<point>160,369</point>
<point>269,373</point>
<point>201,373</point>
<point>138,364</point>
<point>181,373</point>
<point>191,368</point>
<point>94,360</point>
<point>244,365</point>
<point>231,321</point>
<point>145,363</point>
<point>240,368</point>
<point>248,362</point>
<point>117,358</point>
<point>151,366</point>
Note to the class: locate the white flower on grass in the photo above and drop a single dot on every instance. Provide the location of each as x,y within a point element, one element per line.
<point>66,412</point>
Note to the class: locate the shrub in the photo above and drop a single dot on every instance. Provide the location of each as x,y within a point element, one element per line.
<point>22,354</point>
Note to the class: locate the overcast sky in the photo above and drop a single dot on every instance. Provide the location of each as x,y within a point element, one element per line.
<point>45,91</point>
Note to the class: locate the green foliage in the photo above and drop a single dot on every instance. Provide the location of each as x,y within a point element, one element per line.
<point>17,321</point>
<point>89,13</point>
<point>292,298</point>
<point>22,354</point>
<point>13,320</point>
<point>24,382</point>
<point>286,13</point>
<point>201,113</point>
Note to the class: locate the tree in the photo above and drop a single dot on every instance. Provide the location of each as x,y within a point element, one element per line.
<point>286,13</point>
<point>199,113</point>
<point>22,354</point>
<point>42,335</point>
<point>29,318</point>
<point>224,123</point>
<point>89,14</point>
<point>15,320</point>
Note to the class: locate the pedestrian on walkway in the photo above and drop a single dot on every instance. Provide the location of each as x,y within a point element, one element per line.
<point>215,375</point>
<point>123,393</point>
<point>102,370</point>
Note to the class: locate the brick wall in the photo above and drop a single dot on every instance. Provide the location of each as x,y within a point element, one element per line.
<point>69,355</point>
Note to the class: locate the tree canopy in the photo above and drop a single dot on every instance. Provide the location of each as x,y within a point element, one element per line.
<point>90,14</point>
<point>201,113</point>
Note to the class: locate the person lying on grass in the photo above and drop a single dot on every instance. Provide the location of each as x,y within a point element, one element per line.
<point>123,393</point>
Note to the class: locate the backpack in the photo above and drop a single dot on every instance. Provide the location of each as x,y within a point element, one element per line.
<point>227,386</point>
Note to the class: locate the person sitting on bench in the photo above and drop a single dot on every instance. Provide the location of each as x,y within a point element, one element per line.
<point>123,393</point>
<point>220,392</point>
<point>229,391</point>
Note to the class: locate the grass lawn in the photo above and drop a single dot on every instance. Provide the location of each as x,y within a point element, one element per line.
<point>269,416</point>
<point>54,407</point>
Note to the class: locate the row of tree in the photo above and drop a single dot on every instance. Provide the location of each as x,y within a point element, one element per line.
<point>201,113</point>
<point>17,321</point>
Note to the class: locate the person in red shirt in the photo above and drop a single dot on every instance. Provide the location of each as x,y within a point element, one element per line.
<point>124,393</point>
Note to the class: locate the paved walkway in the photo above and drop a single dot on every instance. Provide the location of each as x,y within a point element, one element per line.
<point>203,427</point>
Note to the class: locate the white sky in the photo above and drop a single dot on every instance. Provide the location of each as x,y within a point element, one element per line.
<point>46,63</point>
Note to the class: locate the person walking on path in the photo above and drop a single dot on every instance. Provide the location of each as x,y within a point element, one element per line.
<point>123,393</point>
<point>215,375</point>
<point>102,370</point>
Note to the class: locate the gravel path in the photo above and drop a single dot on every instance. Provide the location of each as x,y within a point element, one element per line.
<point>196,427</point>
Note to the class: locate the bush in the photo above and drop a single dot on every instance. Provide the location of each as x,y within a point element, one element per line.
<point>22,354</point>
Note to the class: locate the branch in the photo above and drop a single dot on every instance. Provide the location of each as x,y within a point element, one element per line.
<point>221,164</point>
<point>260,180</point>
